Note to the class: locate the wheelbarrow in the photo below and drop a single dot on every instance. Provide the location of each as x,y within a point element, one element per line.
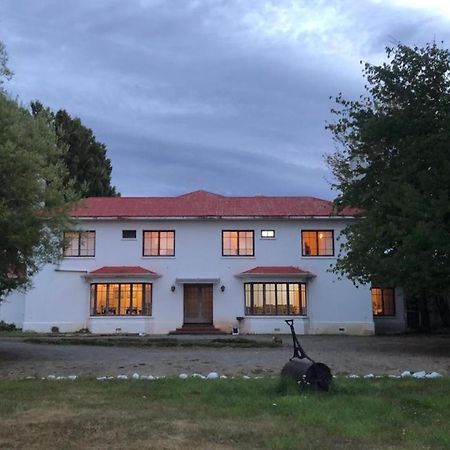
<point>304,370</point>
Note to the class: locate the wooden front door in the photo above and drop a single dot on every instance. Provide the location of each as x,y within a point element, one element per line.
<point>198,303</point>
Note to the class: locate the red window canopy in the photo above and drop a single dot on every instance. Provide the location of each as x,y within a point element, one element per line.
<point>122,271</point>
<point>276,271</point>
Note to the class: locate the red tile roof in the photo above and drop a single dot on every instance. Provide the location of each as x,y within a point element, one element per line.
<point>206,204</point>
<point>122,270</point>
<point>276,271</point>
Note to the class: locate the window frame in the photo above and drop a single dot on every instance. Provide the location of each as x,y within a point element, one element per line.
<point>317,243</point>
<point>238,255</point>
<point>267,237</point>
<point>79,233</point>
<point>93,299</point>
<point>159,243</point>
<point>382,289</point>
<point>286,283</point>
<point>129,238</point>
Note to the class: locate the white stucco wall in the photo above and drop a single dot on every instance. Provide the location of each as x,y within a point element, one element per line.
<point>12,309</point>
<point>61,293</point>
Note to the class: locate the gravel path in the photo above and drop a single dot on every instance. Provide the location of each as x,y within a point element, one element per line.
<point>344,355</point>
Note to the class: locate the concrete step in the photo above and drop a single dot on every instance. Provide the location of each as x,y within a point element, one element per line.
<point>197,329</point>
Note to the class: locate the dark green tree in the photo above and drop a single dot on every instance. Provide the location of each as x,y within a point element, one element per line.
<point>89,169</point>
<point>33,197</point>
<point>393,161</point>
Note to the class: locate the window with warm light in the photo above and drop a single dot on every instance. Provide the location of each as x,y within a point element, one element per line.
<point>317,243</point>
<point>275,299</point>
<point>267,234</point>
<point>79,243</point>
<point>383,301</point>
<point>159,243</point>
<point>121,299</point>
<point>238,243</point>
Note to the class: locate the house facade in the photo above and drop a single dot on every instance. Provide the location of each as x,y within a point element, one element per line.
<point>203,262</point>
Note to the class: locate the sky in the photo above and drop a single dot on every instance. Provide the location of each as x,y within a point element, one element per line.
<point>229,96</point>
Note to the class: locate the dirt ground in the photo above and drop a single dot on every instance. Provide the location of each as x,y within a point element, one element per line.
<point>344,354</point>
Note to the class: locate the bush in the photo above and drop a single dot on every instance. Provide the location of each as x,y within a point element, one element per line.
<point>7,326</point>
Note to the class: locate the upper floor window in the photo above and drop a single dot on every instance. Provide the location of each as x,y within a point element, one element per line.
<point>275,299</point>
<point>159,243</point>
<point>383,301</point>
<point>317,243</point>
<point>79,243</point>
<point>267,234</point>
<point>238,243</point>
<point>128,234</point>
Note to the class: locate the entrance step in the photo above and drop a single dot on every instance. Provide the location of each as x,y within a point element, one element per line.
<point>197,329</point>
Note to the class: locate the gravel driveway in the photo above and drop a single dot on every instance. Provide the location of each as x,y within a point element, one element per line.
<point>344,354</point>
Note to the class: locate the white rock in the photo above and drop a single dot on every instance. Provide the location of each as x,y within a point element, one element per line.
<point>122,377</point>
<point>141,334</point>
<point>223,377</point>
<point>420,374</point>
<point>394,376</point>
<point>29,378</point>
<point>406,373</point>
<point>72,377</point>
<point>246,377</point>
<point>101,378</point>
<point>61,377</point>
<point>51,377</point>
<point>198,375</point>
<point>433,375</point>
<point>352,376</point>
<point>212,375</point>
<point>135,376</point>
<point>182,376</point>
<point>369,375</point>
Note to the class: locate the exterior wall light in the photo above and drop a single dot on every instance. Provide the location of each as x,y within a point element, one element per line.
<point>172,288</point>
<point>222,288</point>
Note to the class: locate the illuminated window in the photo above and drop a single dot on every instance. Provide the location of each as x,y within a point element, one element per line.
<point>237,243</point>
<point>121,299</point>
<point>275,299</point>
<point>159,243</point>
<point>79,243</point>
<point>267,234</point>
<point>317,243</point>
<point>383,301</point>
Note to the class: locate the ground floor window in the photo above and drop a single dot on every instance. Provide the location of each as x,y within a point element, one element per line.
<point>383,301</point>
<point>275,299</point>
<point>121,299</point>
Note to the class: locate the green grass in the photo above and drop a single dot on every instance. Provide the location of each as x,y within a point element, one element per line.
<point>224,414</point>
<point>126,341</point>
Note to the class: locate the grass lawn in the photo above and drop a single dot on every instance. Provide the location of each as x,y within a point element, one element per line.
<point>223,414</point>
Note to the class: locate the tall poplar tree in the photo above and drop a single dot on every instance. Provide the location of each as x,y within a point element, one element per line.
<point>393,161</point>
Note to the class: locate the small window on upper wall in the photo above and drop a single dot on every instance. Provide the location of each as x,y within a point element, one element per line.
<point>317,243</point>
<point>383,301</point>
<point>267,234</point>
<point>128,234</point>
<point>238,243</point>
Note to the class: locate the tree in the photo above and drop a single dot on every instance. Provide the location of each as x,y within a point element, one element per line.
<point>393,161</point>
<point>89,170</point>
<point>33,198</point>
<point>5,72</point>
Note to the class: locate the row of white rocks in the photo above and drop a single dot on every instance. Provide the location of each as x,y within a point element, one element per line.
<point>405,374</point>
<point>215,375</point>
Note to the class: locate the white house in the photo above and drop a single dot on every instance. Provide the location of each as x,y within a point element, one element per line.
<point>203,262</point>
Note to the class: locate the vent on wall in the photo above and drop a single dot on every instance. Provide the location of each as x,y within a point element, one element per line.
<point>128,234</point>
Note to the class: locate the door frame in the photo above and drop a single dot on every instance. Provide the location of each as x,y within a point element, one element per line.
<point>211,286</point>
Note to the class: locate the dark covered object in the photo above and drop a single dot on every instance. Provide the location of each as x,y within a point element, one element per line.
<point>305,371</point>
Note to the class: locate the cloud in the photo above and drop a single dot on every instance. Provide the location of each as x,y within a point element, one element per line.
<point>229,96</point>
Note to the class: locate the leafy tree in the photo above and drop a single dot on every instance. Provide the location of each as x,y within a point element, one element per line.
<point>89,170</point>
<point>393,161</point>
<point>33,198</point>
<point>5,72</point>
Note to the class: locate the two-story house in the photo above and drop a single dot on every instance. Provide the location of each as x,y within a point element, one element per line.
<point>202,262</point>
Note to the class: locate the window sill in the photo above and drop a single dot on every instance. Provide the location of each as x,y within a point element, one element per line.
<point>238,257</point>
<point>318,257</point>
<point>158,257</point>
<point>78,257</point>
<point>129,239</point>
<point>120,317</point>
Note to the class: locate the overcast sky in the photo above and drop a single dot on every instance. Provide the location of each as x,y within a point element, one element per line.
<point>230,96</point>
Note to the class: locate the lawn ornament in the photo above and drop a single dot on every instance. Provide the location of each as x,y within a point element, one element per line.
<point>305,371</point>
